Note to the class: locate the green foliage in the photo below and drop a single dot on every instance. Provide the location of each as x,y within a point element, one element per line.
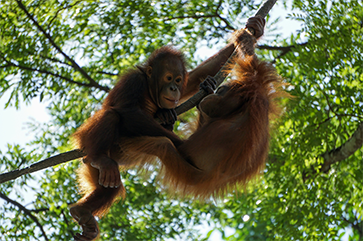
<point>69,53</point>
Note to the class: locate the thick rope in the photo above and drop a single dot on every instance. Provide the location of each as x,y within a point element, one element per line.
<point>224,71</point>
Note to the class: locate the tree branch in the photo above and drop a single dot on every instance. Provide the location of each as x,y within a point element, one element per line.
<point>49,162</point>
<point>66,64</point>
<point>53,74</point>
<point>215,15</point>
<point>59,10</point>
<point>5,66</point>
<point>284,49</point>
<point>46,209</point>
<point>228,25</point>
<point>358,226</point>
<point>106,73</point>
<point>26,211</point>
<point>344,151</point>
<point>67,222</point>
<point>280,48</point>
<point>338,154</point>
<point>191,16</point>
<point>50,39</point>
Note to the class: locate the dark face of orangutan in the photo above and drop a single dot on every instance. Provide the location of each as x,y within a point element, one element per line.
<point>166,82</point>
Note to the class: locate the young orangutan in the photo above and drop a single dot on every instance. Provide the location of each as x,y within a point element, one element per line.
<point>231,143</point>
<point>151,90</point>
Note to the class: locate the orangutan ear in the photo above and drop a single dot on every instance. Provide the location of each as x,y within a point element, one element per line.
<point>149,71</point>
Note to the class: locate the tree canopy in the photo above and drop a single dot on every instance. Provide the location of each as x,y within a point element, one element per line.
<point>69,54</point>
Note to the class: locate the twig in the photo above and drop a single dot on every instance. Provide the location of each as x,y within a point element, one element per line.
<point>50,39</point>
<point>354,225</point>
<point>50,73</point>
<point>59,10</point>
<point>282,48</point>
<point>215,15</point>
<point>26,211</point>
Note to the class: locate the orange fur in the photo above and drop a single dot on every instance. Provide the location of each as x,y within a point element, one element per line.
<point>127,111</point>
<point>226,151</point>
<point>228,148</point>
<point>89,187</point>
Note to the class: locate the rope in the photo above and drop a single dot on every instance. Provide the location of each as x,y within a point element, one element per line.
<point>224,71</point>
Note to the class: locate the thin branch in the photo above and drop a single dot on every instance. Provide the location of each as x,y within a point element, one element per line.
<point>40,210</point>
<point>52,74</point>
<point>354,226</point>
<point>338,154</point>
<point>228,25</point>
<point>344,151</point>
<point>49,162</point>
<point>284,49</point>
<point>26,211</point>
<point>59,10</point>
<point>322,122</point>
<point>107,73</point>
<point>50,39</point>
<point>215,15</point>
<point>327,101</point>
<point>191,16</point>
<point>31,54</point>
<point>69,65</point>
<point>219,5</point>
<point>5,66</point>
<point>10,64</point>
<point>281,48</point>
<point>45,209</point>
<point>55,60</point>
<point>283,54</point>
<point>67,222</point>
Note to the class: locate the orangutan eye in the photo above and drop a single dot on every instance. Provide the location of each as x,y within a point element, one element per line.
<point>169,77</point>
